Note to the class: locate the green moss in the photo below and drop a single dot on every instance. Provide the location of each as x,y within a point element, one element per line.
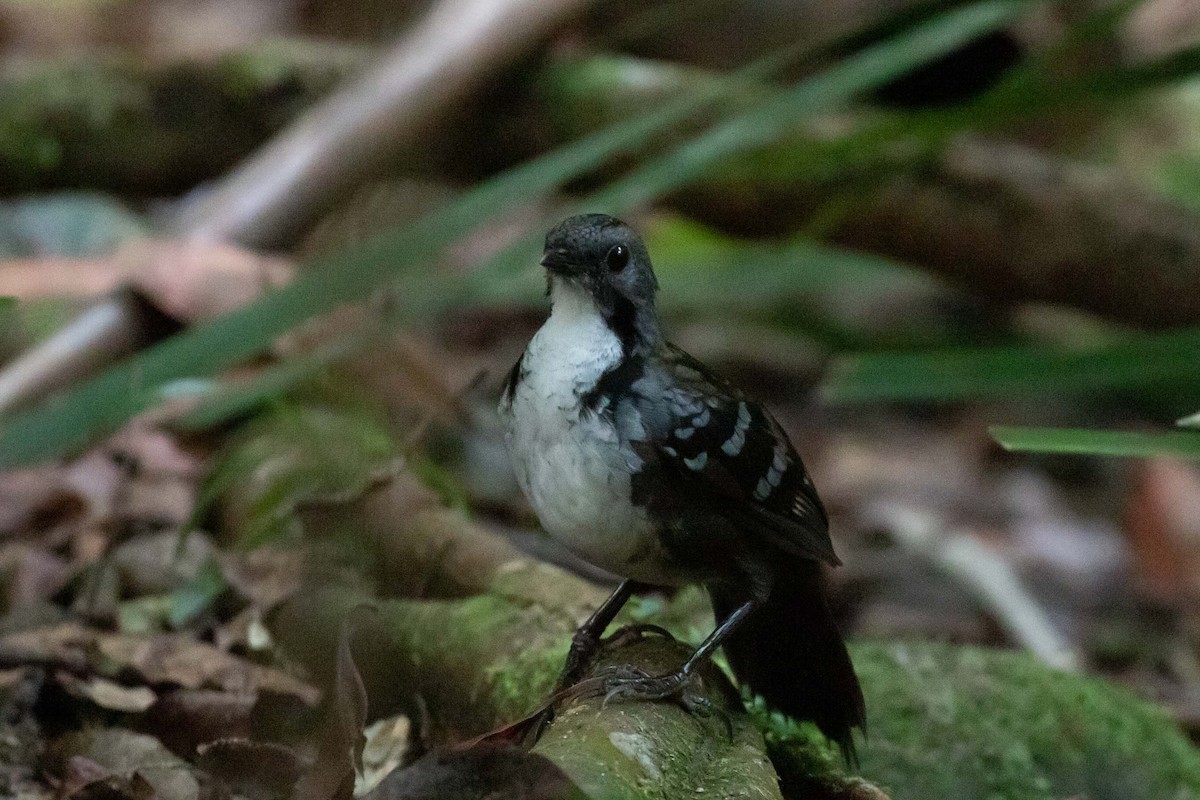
<point>294,455</point>
<point>949,722</point>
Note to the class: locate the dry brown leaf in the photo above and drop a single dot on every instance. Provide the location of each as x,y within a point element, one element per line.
<point>35,500</point>
<point>153,564</point>
<point>195,280</point>
<point>1162,521</point>
<point>339,753</point>
<point>108,694</point>
<point>267,575</point>
<point>161,659</point>
<point>131,759</point>
<point>186,280</point>
<point>187,718</point>
<point>29,574</point>
<point>257,770</point>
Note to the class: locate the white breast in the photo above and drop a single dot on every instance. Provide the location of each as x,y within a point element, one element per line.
<point>570,462</point>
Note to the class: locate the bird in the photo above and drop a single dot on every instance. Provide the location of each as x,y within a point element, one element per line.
<point>640,460</point>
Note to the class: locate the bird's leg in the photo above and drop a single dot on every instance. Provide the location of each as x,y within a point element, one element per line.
<point>632,683</point>
<point>586,640</point>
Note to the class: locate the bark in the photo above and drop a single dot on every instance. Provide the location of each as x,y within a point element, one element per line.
<point>391,109</point>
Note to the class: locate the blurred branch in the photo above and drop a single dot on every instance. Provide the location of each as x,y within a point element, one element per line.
<point>120,324</point>
<point>392,108</point>
<point>988,576</point>
<point>1019,224</point>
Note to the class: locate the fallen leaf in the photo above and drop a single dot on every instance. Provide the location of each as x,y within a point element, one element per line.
<point>184,719</point>
<point>267,575</point>
<point>1160,519</point>
<point>30,573</point>
<point>385,750</point>
<point>257,770</point>
<point>155,564</point>
<point>128,755</point>
<point>192,280</point>
<point>339,752</point>
<point>161,659</point>
<point>187,280</point>
<point>108,694</point>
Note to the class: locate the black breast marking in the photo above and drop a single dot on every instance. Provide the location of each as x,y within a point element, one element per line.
<point>617,380</point>
<point>514,377</point>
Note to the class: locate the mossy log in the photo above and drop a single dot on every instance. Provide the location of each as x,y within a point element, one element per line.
<point>945,722</point>
<point>469,634</point>
<point>123,124</point>
<point>484,647</point>
<point>470,665</point>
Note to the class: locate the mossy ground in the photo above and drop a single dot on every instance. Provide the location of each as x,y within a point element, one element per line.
<point>963,722</point>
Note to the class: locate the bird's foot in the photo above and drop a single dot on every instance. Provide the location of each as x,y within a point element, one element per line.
<point>627,683</point>
<point>585,646</point>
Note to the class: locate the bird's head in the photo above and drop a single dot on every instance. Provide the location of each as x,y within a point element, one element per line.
<point>605,259</point>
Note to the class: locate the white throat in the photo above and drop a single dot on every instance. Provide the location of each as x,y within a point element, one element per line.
<point>573,348</point>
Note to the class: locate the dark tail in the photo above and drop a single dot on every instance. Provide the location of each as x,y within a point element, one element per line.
<point>790,652</point>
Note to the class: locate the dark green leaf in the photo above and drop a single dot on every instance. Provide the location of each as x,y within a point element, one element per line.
<point>1181,444</point>
<point>1136,362</point>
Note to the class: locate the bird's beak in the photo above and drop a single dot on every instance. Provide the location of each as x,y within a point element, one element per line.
<point>557,261</point>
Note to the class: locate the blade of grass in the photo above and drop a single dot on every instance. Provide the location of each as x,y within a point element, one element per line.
<point>1191,421</point>
<point>1181,444</point>
<point>780,110</point>
<point>1138,362</point>
<point>772,118</point>
<point>103,403</point>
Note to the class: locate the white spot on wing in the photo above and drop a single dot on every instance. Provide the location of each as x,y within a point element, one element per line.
<point>696,464</point>
<point>737,440</point>
<point>763,490</point>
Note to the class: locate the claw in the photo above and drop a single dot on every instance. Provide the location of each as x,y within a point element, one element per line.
<point>629,683</point>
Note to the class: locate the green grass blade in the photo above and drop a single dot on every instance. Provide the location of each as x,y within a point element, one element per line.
<point>1138,362</point>
<point>775,116</point>
<point>779,111</point>
<point>1180,444</point>
<point>1190,421</point>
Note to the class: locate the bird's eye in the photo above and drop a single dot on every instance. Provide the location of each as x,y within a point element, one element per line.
<point>617,258</point>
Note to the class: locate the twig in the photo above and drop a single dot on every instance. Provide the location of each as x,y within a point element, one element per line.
<point>118,325</point>
<point>987,575</point>
<point>387,111</point>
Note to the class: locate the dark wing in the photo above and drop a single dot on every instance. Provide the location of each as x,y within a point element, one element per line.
<point>717,444</point>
